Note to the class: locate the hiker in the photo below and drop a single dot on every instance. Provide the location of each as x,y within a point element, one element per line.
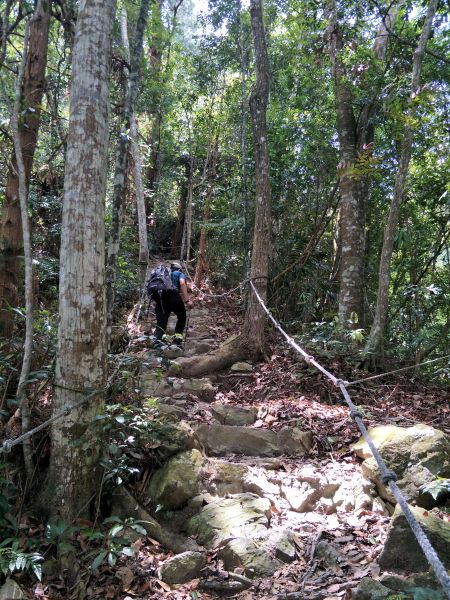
<point>169,301</point>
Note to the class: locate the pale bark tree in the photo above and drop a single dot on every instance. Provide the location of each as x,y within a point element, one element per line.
<point>202,265</point>
<point>375,341</point>
<point>356,134</point>
<point>120,172</point>
<point>255,318</point>
<point>21,396</point>
<point>81,348</point>
<point>11,236</point>
<point>137,161</point>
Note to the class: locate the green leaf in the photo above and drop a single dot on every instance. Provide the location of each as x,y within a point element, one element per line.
<point>112,559</point>
<point>115,530</point>
<point>99,559</point>
<point>128,551</point>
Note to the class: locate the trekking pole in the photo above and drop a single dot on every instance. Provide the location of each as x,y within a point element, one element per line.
<point>186,328</point>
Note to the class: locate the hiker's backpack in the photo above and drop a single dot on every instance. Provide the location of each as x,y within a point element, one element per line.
<point>160,280</point>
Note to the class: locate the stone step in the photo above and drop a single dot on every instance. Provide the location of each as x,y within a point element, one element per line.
<point>220,440</point>
<point>155,385</point>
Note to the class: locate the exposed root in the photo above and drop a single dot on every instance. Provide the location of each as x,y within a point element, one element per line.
<point>223,357</point>
<point>125,505</point>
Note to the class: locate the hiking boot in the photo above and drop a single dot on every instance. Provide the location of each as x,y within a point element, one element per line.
<point>178,339</point>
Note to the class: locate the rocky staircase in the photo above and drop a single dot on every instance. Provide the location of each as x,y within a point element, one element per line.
<point>254,496</point>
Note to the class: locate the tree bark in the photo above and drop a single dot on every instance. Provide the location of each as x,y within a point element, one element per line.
<point>375,341</point>
<point>254,321</point>
<point>177,236</point>
<point>81,349</point>
<point>202,265</point>
<point>21,396</point>
<point>355,137</point>
<point>11,236</point>
<point>121,163</point>
<point>137,161</point>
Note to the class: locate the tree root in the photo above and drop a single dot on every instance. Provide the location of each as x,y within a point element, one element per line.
<point>231,351</point>
<point>125,506</point>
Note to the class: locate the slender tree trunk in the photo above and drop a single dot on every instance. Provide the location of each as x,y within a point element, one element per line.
<point>137,161</point>
<point>187,228</point>
<point>11,237</point>
<point>374,345</point>
<point>201,266</point>
<point>355,137</point>
<point>121,164</point>
<point>177,236</point>
<point>255,318</point>
<point>81,350</point>
<point>21,396</point>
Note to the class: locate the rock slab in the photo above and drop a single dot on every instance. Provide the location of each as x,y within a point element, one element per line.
<point>182,567</point>
<point>220,440</point>
<point>402,553</point>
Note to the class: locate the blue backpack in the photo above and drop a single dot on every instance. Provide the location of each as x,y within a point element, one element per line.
<point>160,280</point>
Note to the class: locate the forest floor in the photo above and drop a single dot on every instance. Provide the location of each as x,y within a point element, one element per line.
<point>286,391</point>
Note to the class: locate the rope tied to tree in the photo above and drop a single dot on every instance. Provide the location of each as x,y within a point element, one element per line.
<point>388,477</point>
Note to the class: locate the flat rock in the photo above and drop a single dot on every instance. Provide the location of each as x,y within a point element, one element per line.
<point>228,414</point>
<point>220,477</point>
<point>220,440</point>
<point>301,498</point>
<point>173,351</point>
<point>182,567</point>
<point>155,385</point>
<point>11,590</point>
<point>240,516</point>
<point>402,553</point>
<point>418,455</point>
<point>177,481</point>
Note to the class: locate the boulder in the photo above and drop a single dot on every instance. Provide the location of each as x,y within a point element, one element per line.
<point>418,455</point>
<point>178,481</point>
<point>182,567</point>
<point>228,439</point>
<point>234,415</point>
<point>420,587</point>
<point>369,589</point>
<point>390,587</point>
<point>239,516</point>
<point>200,346</point>
<point>250,555</point>
<point>11,590</point>
<point>401,550</point>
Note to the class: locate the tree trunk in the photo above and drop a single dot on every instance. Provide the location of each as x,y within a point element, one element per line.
<point>374,345</point>
<point>355,138</point>
<point>137,162</point>
<point>81,350</point>
<point>11,237</point>
<point>118,200</point>
<point>177,236</point>
<point>21,395</point>
<point>187,227</point>
<point>201,266</point>
<point>255,318</point>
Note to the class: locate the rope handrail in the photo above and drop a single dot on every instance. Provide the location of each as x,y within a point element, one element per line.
<point>388,477</point>
<point>401,370</point>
